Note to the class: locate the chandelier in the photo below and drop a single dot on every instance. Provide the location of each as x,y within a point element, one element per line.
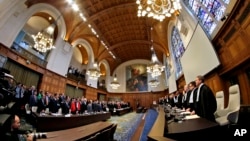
<point>153,83</point>
<point>155,68</point>
<point>158,9</point>
<point>44,39</point>
<point>114,84</point>
<point>93,73</point>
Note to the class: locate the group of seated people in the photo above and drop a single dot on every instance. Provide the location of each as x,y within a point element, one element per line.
<point>196,97</point>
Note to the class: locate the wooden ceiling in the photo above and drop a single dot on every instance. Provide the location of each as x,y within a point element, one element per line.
<point>127,36</point>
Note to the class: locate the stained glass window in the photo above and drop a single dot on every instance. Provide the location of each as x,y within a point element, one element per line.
<point>208,12</point>
<point>177,50</point>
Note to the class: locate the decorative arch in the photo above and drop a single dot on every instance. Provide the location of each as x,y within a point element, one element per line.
<point>42,7</point>
<point>46,8</point>
<point>107,67</point>
<point>88,48</point>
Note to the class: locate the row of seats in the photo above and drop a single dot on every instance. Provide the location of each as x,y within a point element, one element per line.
<point>107,134</point>
<point>228,115</point>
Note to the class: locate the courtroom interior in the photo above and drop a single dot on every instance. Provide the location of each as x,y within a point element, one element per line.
<point>124,70</point>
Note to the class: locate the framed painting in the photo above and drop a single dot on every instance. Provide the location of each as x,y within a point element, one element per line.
<point>136,78</point>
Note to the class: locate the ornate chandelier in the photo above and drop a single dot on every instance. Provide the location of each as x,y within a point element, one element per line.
<point>93,73</point>
<point>158,9</point>
<point>44,39</point>
<point>114,84</point>
<point>155,68</point>
<point>153,83</point>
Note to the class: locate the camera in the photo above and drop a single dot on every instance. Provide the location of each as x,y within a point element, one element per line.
<point>39,136</point>
<point>6,91</point>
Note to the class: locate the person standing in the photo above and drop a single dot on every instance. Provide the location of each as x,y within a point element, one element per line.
<point>190,96</point>
<point>204,100</point>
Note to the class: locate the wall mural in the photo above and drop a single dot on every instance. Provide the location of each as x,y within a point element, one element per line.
<point>136,78</point>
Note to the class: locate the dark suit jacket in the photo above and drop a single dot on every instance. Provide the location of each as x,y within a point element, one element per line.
<point>41,105</point>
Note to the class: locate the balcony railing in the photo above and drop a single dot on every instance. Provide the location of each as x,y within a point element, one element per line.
<point>28,55</point>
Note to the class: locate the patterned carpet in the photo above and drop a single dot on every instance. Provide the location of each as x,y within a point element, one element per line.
<point>126,125</point>
<point>149,122</point>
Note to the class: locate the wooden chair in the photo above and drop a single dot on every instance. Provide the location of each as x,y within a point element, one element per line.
<point>112,131</point>
<point>104,135</point>
<point>92,138</point>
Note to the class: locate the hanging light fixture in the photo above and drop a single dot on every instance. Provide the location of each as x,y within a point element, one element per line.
<point>114,84</point>
<point>44,40</point>
<point>155,68</point>
<point>158,9</point>
<point>153,83</point>
<point>94,72</point>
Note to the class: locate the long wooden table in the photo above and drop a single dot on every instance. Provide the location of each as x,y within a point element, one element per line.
<point>192,129</point>
<point>77,133</point>
<point>157,131</point>
<point>45,123</point>
<point>123,111</point>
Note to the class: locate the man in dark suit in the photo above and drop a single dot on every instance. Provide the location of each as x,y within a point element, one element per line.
<point>84,105</point>
<point>205,102</point>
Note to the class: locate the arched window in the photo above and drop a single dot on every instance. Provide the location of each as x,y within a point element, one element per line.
<point>208,12</point>
<point>177,50</point>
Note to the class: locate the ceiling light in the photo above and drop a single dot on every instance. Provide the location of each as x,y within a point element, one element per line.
<point>44,40</point>
<point>114,84</point>
<point>155,68</point>
<point>153,83</point>
<point>94,72</point>
<point>158,9</point>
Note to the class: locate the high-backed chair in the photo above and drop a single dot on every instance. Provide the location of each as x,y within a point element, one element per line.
<point>220,102</point>
<point>233,108</point>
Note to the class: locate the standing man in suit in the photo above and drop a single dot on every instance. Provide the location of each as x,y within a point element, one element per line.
<point>204,101</point>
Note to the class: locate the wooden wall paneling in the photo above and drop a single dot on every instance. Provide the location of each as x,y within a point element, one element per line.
<point>145,100</point>
<point>91,93</point>
<point>245,96</point>
<point>181,82</point>
<point>3,50</point>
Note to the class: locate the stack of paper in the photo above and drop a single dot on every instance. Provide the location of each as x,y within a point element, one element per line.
<point>192,117</point>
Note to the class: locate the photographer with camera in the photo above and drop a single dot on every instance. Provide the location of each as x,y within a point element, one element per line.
<point>15,133</point>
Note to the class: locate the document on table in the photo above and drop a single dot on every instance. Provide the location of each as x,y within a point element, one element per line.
<point>185,113</point>
<point>191,117</point>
